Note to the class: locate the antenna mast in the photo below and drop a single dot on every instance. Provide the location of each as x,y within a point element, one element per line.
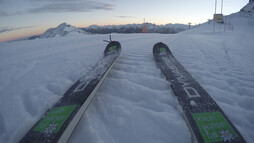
<point>144,30</point>
<point>221,6</point>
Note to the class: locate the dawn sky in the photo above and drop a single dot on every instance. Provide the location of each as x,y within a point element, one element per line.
<point>29,17</point>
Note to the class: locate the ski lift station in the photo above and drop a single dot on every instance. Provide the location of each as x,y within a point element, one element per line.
<point>218,18</point>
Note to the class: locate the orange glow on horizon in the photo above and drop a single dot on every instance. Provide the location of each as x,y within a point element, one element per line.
<point>16,36</point>
<point>19,34</point>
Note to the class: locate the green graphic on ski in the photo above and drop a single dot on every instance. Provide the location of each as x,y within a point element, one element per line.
<point>205,119</point>
<point>58,123</point>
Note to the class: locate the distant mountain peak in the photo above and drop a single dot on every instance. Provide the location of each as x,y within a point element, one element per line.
<point>64,25</point>
<point>61,30</point>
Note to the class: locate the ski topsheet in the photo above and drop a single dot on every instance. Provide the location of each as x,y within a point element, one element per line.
<point>58,123</point>
<point>205,119</point>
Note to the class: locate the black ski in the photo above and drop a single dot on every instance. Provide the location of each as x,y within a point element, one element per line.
<point>205,119</point>
<point>58,123</point>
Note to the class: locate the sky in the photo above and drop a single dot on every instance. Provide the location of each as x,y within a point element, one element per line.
<point>22,18</point>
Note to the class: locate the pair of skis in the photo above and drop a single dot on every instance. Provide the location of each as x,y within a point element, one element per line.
<point>207,122</point>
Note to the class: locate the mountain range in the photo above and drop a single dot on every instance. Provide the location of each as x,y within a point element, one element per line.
<point>65,29</point>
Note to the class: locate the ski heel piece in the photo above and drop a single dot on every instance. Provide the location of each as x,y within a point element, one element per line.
<point>107,40</point>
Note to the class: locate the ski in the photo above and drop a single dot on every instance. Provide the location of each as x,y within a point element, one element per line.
<point>58,123</point>
<point>205,119</point>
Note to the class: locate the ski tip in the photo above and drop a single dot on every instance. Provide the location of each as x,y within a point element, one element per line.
<point>161,49</point>
<point>112,47</point>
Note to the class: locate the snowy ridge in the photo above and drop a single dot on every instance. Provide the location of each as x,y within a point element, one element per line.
<point>61,30</point>
<point>149,26</point>
<point>240,22</point>
<point>249,8</point>
<point>137,28</point>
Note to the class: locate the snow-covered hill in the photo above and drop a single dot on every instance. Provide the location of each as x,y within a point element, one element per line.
<point>240,22</point>
<point>61,30</point>
<point>134,104</point>
<point>249,8</point>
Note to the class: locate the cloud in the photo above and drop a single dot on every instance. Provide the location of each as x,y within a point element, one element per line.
<point>51,6</point>
<point>4,14</point>
<point>2,1</point>
<point>71,6</point>
<point>125,16</point>
<point>7,29</point>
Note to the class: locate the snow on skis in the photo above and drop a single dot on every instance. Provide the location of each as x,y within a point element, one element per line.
<point>58,123</point>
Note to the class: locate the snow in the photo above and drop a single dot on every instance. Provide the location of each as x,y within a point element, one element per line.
<point>136,28</point>
<point>249,8</point>
<point>134,104</point>
<point>149,26</point>
<point>62,30</point>
<point>193,103</point>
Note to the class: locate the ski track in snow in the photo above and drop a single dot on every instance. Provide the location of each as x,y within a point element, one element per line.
<point>134,104</point>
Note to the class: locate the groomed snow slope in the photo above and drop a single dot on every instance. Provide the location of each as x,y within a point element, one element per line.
<point>134,104</point>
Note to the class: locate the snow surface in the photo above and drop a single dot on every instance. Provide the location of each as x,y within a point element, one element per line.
<point>249,8</point>
<point>134,104</point>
